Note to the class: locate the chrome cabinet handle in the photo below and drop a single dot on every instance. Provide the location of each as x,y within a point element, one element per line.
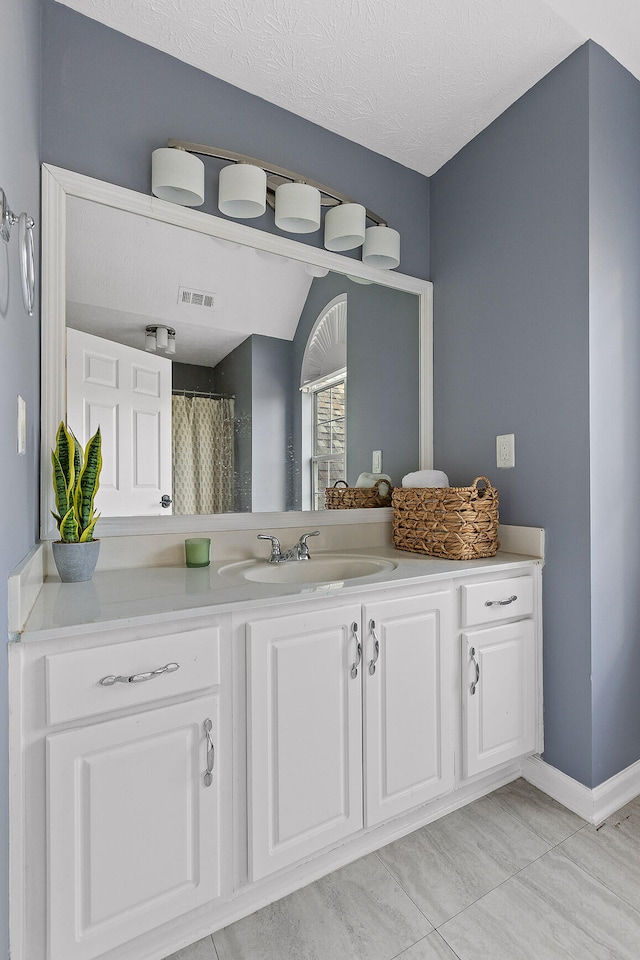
<point>474,683</point>
<point>376,647</point>
<point>140,677</point>
<point>211,753</point>
<point>354,666</point>
<point>165,501</point>
<point>500,603</point>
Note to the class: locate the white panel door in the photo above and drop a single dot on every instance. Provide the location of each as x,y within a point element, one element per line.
<point>305,735</point>
<point>499,695</point>
<point>408,724</point>
<point>133,829</point>
<point>127,393</point>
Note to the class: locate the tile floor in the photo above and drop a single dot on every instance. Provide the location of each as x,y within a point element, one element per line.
<point>513,876</point>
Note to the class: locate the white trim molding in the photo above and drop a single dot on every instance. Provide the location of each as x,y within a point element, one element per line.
<point>592,804</point>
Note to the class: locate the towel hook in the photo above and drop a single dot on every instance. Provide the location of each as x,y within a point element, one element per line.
<point>27,255</point>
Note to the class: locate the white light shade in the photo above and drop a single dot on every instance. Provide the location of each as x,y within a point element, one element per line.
<point>242,191</point>
<point>171,346</point>
<point>381,247</point>
<point>297,208</point>
<point>177,176</point>
<point>150,341</point>
<point>162,338</point>
<point>344,226</point>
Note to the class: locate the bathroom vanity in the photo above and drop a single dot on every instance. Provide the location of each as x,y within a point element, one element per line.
<point>189,745</point>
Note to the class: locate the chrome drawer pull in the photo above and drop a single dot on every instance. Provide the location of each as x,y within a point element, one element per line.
<point>140,677</point>
<point>211,753</point>
<point>474,683</point>
<point>354,666</point>
<point>376,647</point>
<point>500,603</point>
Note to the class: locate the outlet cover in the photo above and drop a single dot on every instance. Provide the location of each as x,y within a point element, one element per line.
<point>506,450</point>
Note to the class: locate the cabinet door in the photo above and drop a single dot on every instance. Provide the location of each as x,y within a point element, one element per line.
<point>499,695</point>
<point>133,828</point>
<point>305,735</point>
<point>407,682</point>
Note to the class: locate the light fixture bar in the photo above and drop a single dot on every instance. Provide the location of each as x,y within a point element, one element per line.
<point>332,196</point>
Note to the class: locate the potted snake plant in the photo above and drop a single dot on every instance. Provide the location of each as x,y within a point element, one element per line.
<point>76,478</point>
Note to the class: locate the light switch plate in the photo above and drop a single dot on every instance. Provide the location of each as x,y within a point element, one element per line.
<point>506,450</point>
<point>22,426</point>
<point>376,461</point>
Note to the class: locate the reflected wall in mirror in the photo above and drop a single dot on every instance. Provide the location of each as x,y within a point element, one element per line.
<point>287,372</point>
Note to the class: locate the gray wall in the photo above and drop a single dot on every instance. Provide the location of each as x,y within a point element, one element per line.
<point>510,266</point>
<point>191,376</point>
<point>271,423</point>
<point>233,376</point>
<point>108,101</point>
<point>19,374</point>
<point>383,381</point>
<point>614,205</point>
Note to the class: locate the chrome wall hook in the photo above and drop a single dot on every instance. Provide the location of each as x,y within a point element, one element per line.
<point>27,254</point>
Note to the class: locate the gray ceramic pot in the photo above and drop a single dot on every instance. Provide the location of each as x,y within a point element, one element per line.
<point>76,561</point>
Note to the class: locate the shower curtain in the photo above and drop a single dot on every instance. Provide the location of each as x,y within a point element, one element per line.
<point>203,460</point>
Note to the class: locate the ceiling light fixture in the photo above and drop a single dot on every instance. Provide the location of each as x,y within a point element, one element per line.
<point>247,185</point>
<point>159,337</point>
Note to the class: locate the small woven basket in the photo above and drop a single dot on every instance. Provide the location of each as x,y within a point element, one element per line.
<point>456,523</point>
<point>355,498</point>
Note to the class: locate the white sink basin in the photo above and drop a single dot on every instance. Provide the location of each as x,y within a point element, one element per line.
<point>326,568</point>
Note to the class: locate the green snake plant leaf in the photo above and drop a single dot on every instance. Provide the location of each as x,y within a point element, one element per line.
<point>67,454</point>
<point>88,533</point>
<point>69,527</point>
<point>88,483</point>
<point>60,488</point>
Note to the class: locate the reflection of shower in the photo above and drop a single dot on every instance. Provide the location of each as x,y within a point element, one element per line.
<point>203,452</point>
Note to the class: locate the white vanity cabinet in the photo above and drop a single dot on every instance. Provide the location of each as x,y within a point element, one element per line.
<point>500,671</point>
<point>331,721</point>
<point>305,734</point>
<point>319,769</point>
<point>408,744</point>
<point>134,834</point>
<point>132,738</point>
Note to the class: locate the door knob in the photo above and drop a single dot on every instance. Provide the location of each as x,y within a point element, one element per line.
<point>166,500</point>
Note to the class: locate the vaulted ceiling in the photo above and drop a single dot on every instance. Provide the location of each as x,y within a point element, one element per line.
<point>414,80</point>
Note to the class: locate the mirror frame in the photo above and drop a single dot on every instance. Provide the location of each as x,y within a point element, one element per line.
<point>57,185</point>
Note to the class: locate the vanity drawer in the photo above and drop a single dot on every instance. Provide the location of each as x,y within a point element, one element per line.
<point>73,679</point>
<point>496,600</point>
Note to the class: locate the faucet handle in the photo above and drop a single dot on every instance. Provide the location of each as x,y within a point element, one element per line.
<point>303,539</point>
<point>275,545</point>
<point>302,546</point>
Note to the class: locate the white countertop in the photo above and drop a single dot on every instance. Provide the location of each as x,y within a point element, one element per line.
<point>155,594</point>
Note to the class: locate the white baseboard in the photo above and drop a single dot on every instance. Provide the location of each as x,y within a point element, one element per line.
<point>593,805</point>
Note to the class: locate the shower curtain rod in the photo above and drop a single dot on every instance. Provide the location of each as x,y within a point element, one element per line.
<point>204,393</point>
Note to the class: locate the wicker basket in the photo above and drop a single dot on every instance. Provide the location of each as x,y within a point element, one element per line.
<point>457,523</point>
<point>355,498</point>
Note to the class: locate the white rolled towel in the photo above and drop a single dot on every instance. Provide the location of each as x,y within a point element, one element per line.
<point>370,480</point>
<point>426,478</point>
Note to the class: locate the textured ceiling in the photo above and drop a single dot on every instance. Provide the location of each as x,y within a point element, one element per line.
<point>413,80</point>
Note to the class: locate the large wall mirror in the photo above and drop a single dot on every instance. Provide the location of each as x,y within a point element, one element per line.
<point>234,374</point>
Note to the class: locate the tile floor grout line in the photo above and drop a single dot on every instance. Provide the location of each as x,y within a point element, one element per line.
<point>408,895</point>
<point>604,883</point>
<point>525,823</point>
<point>433,933</point>
<point>215,949</point>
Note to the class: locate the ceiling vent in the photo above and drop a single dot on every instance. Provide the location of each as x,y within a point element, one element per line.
<point>197,298</point>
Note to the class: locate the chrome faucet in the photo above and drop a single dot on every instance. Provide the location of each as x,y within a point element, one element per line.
<point>299,552</point>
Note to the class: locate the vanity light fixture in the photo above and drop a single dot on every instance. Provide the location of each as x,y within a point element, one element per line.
<point>159,337</point>
<point>247,185</point>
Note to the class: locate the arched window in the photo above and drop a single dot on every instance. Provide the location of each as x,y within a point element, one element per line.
<point>324,390</point>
